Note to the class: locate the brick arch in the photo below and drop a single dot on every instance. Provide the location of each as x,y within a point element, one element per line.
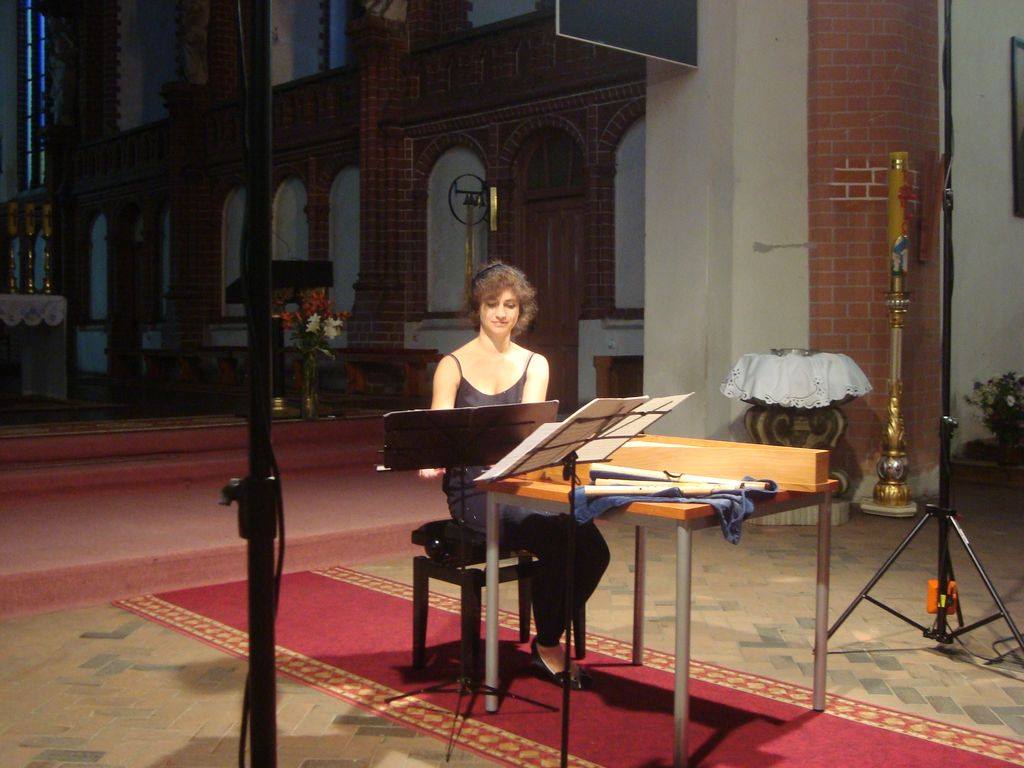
<point>225,187</point>
<point>88,220</point>
<point>433,151</point>
<point>514,143</point>
<point>120,222</point>
<point>285,172</point>
<point>620,123</point>
<point>89,217</point>
<point>329,172</point>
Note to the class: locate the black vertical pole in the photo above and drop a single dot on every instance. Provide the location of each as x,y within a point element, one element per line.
<point>947,425</point>
<point>941,626</point>
<point>259,518</point>
<point>568,473</point>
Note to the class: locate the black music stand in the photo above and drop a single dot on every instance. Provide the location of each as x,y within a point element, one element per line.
<point>593,433</point>
<point>459,438</point>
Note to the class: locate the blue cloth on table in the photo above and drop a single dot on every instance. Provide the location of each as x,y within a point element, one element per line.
<point>732,506</point>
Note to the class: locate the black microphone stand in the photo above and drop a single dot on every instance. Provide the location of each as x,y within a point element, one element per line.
<point>569,474</point>
<point>258,494</point>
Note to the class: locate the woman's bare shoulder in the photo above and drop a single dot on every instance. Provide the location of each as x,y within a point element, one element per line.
<point>534,358</point>
<point>466,351</point>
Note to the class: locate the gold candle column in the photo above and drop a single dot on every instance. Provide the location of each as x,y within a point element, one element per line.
<point>470,256</point>
<point>891,494</point>
<point>12,252</point>
<point>30,256</point>
<point>47,250</point>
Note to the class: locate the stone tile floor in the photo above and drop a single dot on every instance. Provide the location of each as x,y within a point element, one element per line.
<point>99,687</point>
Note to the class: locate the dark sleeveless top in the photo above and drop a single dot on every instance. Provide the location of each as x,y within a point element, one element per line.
<point>468,396</point>
<point>464,501</point>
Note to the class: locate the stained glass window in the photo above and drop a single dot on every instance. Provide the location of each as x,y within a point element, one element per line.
<point>32,108</point>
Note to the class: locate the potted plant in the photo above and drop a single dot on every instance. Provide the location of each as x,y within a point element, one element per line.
<point>313,324</point>
<point>1001,402</point>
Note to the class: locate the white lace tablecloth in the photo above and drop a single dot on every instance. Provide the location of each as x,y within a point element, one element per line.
<point>795,379</point>
<point>18,308</point>
<point>37,321</point>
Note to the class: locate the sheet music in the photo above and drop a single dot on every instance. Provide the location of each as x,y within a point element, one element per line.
<point>596,430</point>
<point>621,432</point>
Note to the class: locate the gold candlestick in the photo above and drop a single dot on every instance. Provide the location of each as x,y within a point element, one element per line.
<point>891,495</point>
<point>12,251</point>
<point>47,269</point>
<point>30,256</point>
<point>47,251</point>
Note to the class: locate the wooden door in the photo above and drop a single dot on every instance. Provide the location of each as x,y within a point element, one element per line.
<point>551,256</point>
<point>552,203</point>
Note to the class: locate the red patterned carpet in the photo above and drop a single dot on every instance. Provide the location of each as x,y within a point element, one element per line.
<point>348,634</point>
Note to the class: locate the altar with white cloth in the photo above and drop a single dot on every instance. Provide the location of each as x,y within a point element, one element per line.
<point>795,397</point>
<point>38,323</point>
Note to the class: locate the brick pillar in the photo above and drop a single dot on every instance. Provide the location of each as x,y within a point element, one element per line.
<point>222,50</point>
<point>318,212</point>
<point>195,281</point>
<point>599,295</point>
<point>384,167</point>
<point>872,90</point>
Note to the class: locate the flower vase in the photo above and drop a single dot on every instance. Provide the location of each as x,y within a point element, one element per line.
<point>310,405</point>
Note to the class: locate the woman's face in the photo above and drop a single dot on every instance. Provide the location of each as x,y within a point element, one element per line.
<point>499,314</point>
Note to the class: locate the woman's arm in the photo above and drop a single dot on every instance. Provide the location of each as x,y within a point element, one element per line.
<point>446,383</point>
<point>536,389</point>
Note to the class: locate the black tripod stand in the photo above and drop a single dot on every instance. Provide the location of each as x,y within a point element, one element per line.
<point>940,631</point>
<point>460,438</point>
<point>943,512</point>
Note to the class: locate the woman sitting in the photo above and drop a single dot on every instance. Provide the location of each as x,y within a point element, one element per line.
<point>493,370</point>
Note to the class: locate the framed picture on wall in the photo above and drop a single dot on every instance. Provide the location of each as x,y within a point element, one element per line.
<point>1017,110</point>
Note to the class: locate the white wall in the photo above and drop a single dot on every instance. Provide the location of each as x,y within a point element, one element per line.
<point>988,240</point>
<point>771,301</point>
<point>146,60</point>
<point>8,105</point>
<point>231,247</point>
<point>446,236</point>
<point>98,285</point>
<point>605,337</point>
<point>344,234</point>
<point>629,218</point>
<point>726,173</point>
<point>290,224</point>
<point>442,334</point>
<point>295,40</point>
<point>91,350</point>
<point>490,11</point>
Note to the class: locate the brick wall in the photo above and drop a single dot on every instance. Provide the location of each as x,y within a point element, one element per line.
<point>392,115</point>
<point>872,90</point>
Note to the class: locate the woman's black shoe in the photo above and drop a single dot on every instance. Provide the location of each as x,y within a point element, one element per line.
<point>579,682</point>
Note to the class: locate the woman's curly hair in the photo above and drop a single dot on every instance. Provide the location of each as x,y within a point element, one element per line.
<point>490,281</point>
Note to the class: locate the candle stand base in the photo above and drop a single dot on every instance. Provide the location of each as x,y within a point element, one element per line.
<point>872,507</point>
